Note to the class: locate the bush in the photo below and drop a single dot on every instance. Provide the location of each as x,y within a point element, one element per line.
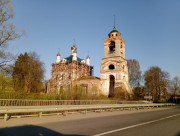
<point>139,93</point>
<point>76,93</point>
<point>120,93</point>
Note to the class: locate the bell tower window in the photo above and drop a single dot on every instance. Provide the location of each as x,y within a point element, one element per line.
<point>111,67</point>
<point>112,47</point>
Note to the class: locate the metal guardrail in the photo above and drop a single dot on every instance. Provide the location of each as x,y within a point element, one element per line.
<point>7,111</point>
<point>25,102</point>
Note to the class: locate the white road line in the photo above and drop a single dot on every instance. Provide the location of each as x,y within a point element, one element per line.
<point>116,130</point>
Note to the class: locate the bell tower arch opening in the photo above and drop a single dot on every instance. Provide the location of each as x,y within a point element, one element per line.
<point>112,47</point>
<point>111,85</point>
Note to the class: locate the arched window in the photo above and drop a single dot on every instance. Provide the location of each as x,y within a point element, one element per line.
<point>112,47</point>
<point>111,85</point>
<point>111,67</point>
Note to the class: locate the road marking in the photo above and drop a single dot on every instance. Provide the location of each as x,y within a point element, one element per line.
<point>116,130</point>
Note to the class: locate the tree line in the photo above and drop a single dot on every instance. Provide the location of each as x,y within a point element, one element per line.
<point>155,82</point>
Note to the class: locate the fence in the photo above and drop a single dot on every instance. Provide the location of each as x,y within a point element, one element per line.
<point>24,102</point>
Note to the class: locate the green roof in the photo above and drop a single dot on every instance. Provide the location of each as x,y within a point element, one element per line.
<point>69,59</point>
<point>114,30</point>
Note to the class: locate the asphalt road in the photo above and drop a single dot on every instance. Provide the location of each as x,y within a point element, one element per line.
<point>153,123</point>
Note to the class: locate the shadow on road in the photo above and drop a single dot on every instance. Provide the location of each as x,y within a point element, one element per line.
<point>178,134</point>
<point>30,130</point>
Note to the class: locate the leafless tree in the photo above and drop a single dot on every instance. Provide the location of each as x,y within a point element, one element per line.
<point>175,85</point>
<point>156,82</point>
<point>134,72</point>
<point>8,32</point>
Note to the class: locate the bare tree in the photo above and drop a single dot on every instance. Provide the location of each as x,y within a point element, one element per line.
<point>156,82</point>
<point>8,31</point>
<point>175,85</point>
<point>134,72</point>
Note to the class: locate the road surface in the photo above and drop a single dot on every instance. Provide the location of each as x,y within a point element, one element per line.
<point>163,122</point>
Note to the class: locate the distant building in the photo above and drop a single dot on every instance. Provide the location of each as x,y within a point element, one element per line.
<point>67,70</point>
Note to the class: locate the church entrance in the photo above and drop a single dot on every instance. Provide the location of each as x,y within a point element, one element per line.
<point>111,85</point>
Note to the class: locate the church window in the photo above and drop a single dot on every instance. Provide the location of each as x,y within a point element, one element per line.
<point>111,67</point>
<point>112,47</point>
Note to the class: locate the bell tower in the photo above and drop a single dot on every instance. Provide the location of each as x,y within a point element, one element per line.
<point>114,69</point>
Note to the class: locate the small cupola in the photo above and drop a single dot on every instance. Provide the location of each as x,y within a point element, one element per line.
<point>114,33</point>
<point>88,60</point>
<point>74,53</point>
<point>58,58</point>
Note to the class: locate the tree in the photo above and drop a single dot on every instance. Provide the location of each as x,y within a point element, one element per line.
<point>121,93</point>
<point>6,83</point>
<point>175,85</point>
<point>156,82</point>
<point>28,73</point>
<point>7,31</point>
<point>139,93</point>
<point>134,72</point>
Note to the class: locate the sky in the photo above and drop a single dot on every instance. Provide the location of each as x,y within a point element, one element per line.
<point>150,28</point>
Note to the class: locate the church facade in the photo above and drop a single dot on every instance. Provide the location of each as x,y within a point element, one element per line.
<point>72,70</point>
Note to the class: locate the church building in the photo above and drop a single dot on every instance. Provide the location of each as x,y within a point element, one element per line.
<point>73,70</point>
<point>67,70</point>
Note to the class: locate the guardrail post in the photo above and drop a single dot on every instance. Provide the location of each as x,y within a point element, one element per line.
<point>83,112</point>
<point>5,117</point>
<point>40,114</point>
<point>64,113</point>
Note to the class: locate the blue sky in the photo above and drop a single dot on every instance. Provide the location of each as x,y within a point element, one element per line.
<point>150,28</point>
